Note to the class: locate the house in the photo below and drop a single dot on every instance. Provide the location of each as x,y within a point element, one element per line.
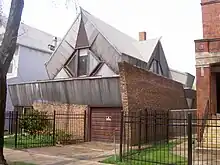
<point>207,52</point>
<point>99,66</point>
<point>31,53</point>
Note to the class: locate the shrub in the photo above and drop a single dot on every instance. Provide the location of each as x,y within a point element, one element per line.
<point>62,136</point>
<point>34,122</point>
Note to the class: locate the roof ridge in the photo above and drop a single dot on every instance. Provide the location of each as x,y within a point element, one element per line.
<point>82,10</point>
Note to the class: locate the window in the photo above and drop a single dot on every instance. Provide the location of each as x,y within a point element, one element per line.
<point>82,65</point>
<point>10,69</point>
<point>156,67</point>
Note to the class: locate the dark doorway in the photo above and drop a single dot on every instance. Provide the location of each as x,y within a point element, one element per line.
<point>218,91</point>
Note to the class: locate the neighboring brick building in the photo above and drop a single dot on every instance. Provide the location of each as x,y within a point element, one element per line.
<point>208,58</point>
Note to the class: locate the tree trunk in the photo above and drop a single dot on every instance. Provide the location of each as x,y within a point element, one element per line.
<point>3,92</point>
<point>7,50</point>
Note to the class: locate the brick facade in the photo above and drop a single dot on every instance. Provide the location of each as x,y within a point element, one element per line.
<point>143,89</point>
<point>210,18</point>
<point>69,117</point>
<point>208,54</point>
<point>203,78</point>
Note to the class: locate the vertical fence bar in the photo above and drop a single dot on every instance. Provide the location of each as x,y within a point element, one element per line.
<point>54,128</point>
<point>139,137</point>
<point>189,132</point>
<point>16,129</point>
<point>146,125</point>
<point>121,135</point>
<point>168,126</point>
<point>85,123</point>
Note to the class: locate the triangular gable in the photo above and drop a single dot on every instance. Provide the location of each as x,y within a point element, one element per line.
<point>159,56</point>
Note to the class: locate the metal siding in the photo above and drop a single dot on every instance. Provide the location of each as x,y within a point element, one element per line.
<point>190,80</point>
<point>96,91</point>
<point>134,61</point>
<point>178,76</point>
<point>62,74</point>
<point>103,49</point>
<point>105,71</point>
<point>163,61</point>
<point>91,31</point>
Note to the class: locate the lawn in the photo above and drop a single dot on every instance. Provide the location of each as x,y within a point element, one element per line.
<point>28,141</point>
<point>150,156</point>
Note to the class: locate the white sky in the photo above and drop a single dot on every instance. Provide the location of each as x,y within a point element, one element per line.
<point>177,21</point>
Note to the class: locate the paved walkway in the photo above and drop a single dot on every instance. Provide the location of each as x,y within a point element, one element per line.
<point>42,159</point>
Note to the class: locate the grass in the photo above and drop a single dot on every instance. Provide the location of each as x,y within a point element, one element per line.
<point>28,141</point>
<point>150,156</point>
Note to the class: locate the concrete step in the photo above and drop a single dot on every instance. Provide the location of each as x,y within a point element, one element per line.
<point>210,145</point>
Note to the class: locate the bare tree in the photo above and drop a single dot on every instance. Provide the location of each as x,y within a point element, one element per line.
<point>7,50</point>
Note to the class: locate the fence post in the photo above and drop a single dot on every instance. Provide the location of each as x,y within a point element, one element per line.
<point>189,132</point>
<point>54,128</point>
<point>16,128</point>
<point>139,137</point>
<point>121,135</point>
<point>155,126</point>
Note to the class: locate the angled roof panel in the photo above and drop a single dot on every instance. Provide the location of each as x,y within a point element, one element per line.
<point>91,31</point>
<point>146,48</point>
<point>121,41</point>
<point>64,50</point>
<point>103,49</point>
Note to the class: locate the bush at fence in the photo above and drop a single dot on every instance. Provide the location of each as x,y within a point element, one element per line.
<point>34,122</point>
<point>63,137</point>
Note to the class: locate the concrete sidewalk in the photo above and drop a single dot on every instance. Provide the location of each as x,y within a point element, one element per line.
<point>41,159</point>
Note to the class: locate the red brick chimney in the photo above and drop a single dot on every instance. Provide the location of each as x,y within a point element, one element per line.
<point>142,36</point>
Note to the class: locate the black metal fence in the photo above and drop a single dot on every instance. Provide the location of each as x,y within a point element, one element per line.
<point>40,129</point>
<point>157,137</point>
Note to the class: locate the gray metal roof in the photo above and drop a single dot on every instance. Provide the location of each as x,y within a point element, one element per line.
<point>34,38</point>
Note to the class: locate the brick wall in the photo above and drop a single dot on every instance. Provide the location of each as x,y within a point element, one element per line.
<point>203,76</point>
<point>210,18</point>
<point>143,89</point>
<point>69,118</point>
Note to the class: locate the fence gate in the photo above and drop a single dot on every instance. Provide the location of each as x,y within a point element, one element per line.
<point>159,137</point>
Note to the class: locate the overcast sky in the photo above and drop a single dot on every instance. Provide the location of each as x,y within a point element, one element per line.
<point>177,21</point>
